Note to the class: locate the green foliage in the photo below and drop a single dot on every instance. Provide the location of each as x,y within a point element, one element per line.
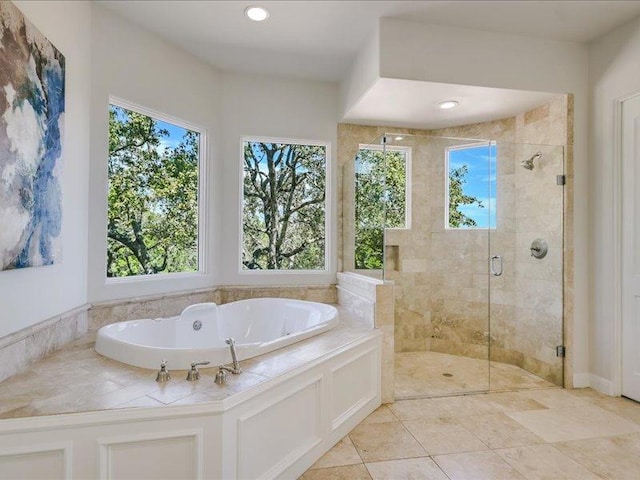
<point>380,196</point>
<point>152,198</point>
<point>283,212</point>
<point>457,197</point>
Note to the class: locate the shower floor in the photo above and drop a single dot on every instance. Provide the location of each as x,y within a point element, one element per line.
<point>433,374</point>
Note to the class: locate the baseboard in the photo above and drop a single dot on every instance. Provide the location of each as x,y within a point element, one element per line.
<point>581,380</point>
<point>602,385</point>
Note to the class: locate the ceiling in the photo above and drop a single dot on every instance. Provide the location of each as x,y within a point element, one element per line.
<point>414,104</point>
<point>319,40</point>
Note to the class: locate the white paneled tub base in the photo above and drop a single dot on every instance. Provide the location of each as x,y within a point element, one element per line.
<point>277,429</point>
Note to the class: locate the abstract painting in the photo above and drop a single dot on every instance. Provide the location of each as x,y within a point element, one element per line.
<point>32,75</point>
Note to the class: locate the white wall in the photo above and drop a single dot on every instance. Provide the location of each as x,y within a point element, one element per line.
<point>267,106</point>
<point>137,66</point>
<point>363,74</point>
<point>30,295</point>
<point>614,72</point>
<point>415,51</point>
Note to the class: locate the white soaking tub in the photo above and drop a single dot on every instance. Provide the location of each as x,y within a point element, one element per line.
<point>258,326</point>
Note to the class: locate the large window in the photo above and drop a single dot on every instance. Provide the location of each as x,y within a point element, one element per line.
<point>382,200</point>
<point>284,205</point>
<point>471,186</point>
<point>153,194</point>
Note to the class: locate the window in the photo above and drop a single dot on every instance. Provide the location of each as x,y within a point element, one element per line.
<point>471,186</point>
<point>154,172</point>
<point>382,200</point>
<point>284,221</point>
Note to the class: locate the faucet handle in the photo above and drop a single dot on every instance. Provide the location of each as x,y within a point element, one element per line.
<point>194,374</point>
<point>163,374</point>
<point>221,376</point>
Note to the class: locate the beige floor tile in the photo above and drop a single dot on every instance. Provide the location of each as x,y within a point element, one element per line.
<point>476,466</point>
<point>588,394</point>
<point>434,374</point>
<point>342,453</point>
<point>419,409</point>
<point>349,472</point>
<point>381,415</point>
<point>623,407</point>
<point>557,398</point>
<point>385,441</point>
<point>544,462</point>
<point>438,374</point>
<point>615,458</point>
<point>443,436</point>
<point>504,377</point>
<point>410,469</point>
<point>465,405</point>
<point>499,431</point>
<point>565,424</point>
<point>511,402</point>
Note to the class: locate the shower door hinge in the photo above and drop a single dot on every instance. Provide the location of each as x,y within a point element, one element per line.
<point>561,179</point>
<point>561,351</point>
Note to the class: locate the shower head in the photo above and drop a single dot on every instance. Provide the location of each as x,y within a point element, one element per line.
<point>528,163</point>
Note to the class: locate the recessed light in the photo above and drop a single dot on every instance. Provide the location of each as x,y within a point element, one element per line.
<point>447,104</point>
<point>398,138</point>
<point>257,14</point>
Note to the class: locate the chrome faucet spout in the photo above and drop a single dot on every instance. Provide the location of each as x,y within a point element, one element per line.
<point>234,357</point>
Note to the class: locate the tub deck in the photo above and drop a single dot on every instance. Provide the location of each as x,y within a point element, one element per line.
<point>76,379</point>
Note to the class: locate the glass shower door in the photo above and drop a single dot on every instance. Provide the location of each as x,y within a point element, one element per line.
<point>526,267</point>
<point>439,269</point>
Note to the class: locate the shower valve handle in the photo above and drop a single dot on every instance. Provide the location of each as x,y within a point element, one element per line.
<point>492,265</point>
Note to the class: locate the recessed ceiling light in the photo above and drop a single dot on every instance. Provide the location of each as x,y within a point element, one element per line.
<point>257,14</point>
<point>448,104</point>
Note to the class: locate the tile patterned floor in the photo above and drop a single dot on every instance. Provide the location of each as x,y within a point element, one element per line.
<point>536,434</point>
<point>433,374</point>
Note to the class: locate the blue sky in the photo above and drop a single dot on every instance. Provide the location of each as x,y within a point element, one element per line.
<point>480,181</point>
<point>175,134</point>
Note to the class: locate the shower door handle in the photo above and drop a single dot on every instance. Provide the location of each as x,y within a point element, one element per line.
<point>495,259</point>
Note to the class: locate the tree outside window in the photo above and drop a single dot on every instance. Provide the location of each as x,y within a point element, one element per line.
<point>381,201</point>
<point>283,211</point>
<point>152,196</point>
<point>471,185</point>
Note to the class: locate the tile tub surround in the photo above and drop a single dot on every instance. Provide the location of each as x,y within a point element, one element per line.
<point>76,379</point>
<point>371,301</point>
<point>22,348</point>
<point>152,306</point>
<point>535,434</point>
<point>105,313</point>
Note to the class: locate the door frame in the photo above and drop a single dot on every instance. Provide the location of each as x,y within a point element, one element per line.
<point>616,383</point>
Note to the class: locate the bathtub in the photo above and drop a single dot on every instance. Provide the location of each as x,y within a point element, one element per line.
<point>198,334</point>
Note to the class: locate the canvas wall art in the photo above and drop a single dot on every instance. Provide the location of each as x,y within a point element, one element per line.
<point>32,75</point>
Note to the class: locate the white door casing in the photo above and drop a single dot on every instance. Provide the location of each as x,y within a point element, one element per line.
<point>630,258</point>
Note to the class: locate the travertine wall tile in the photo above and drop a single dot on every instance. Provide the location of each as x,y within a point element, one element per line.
<point>372,301</point>
<point>157,306</point>
<point>173,304</point>
<point>22,348</point>
<point>443,297</point>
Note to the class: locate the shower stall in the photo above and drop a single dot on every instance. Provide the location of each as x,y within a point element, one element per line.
<point>470,231</point>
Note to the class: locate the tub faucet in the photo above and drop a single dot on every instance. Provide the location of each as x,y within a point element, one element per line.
<point>221,376</point>
<point>234,358</point>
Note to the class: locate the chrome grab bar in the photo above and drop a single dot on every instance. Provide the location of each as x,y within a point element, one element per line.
<point>492,262</point>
